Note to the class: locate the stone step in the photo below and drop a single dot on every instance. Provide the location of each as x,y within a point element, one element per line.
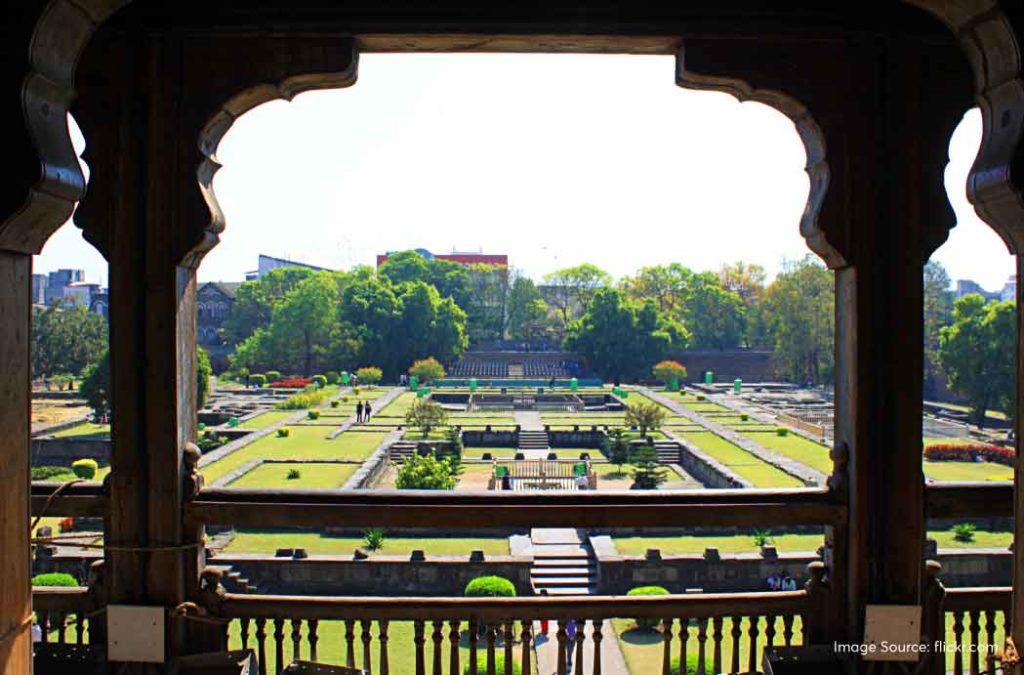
<point>557,563</point>
<point>549,572</point>
<point>569,590</point>
<point>560,582</point>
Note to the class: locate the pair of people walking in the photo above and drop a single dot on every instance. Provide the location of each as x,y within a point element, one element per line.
<point>363,411</point>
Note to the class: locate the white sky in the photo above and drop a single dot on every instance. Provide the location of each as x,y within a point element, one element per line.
<point>552,159</point>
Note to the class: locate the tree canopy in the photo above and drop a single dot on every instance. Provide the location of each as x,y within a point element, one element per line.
<point>800,305</point>
<point>66,339</point>
<point>974,351</point>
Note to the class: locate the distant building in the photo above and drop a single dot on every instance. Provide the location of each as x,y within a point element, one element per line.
<point>100,303</point>
<point>214,301</point>
<point>58,280</point>
<point>39,283</point>
<point>265,263</point>
<point>80,293</point>
<point>968,286</point>
<point>500,260</point>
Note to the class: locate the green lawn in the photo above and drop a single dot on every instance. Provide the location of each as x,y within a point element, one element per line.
<point>401,647</point>
<point>318,476</point>
<point>85,431</point>
<point>266,419</point>
<point>400,405</point>
<point>760,473</point>
<point>946,472</point>
<point>795,447</point>
<point>248,541</point>
<point>732,543</point>
<point>303,442</point>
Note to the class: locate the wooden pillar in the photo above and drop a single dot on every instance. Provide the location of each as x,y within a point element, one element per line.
<point>15,415</point>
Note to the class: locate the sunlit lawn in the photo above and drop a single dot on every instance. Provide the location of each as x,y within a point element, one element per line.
<point>85,431</point>
<point>266,419</point>
<point>967,471</point>
<point>249,541</point>
<point>303,442</point>
<point>401,647</point>
<point>795,447</point>
<point>730,543</point>
<point>612,477</point>
<point>758,472</point>
<point>311,476</point>
<point>400,405</point>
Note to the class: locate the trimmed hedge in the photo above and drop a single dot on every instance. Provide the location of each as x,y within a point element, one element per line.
<point>54,579</point>
<point>320,381</point>
<point>490,587</point>
<point>968,451</point>
<point>647,623</point>
<point>85,468</point>
<point>52,472</point>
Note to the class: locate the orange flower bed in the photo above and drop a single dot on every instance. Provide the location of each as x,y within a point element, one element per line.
<point>968,451</point>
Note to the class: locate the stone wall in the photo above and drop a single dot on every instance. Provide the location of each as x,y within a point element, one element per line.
<point>585,437</point>
<point>707,469</point>
<point>682,573</point>
<point>63,451</point>
<point>381,575</point>
<point>750,365</point>
<point>481,438</point>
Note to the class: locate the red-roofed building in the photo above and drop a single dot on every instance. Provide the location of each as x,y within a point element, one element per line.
<point>461,258</point>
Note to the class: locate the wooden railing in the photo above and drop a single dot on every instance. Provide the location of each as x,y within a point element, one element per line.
<point>65,616</point>
<point>975,624</point>
<point>717,632</point>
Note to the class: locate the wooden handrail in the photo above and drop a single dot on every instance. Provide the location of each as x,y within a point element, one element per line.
<point>969,500</point>
<point>977,599</point>
<point>501,609</point>
<point>78,500</point>
<point>751,508</point>
<point>61,599</point>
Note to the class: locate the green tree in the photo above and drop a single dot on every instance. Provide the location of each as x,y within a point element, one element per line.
<point>300,329</point>
<point>616,447</point>
<point>801,306</point>
<point>66,339</point>
<point>255,300</point>
<point>648,473</point>
<point>748,282</point>
<point>645,417</point>
<point>527,311</point>
<point>714,316</point>
<point>427,370</point>
<point>573,288</point>
<point>938,312</point>
<point>667,285</point>
<point>425,415</point>
<point>620,339</point>
<point>976,351</point>
<point>404,266</point>
<point>204,371</point>
<point>95,387</point>
<point>425,472</point>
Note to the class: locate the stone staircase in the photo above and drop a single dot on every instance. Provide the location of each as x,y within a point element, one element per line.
<point>668,451</point>
<point>533,440</point>
<point>563,562</point>
<point>233,581</point>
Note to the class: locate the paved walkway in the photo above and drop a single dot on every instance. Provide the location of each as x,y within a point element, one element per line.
<point>529,420</point>
<point>612,661</point>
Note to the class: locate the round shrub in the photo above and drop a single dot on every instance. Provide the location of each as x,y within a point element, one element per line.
<point>313,414</point>
<point>701,397</point>
<point>257,380</point>
<point>85,468</point>
<point>293,474</point>
<point>490,587</point>
<point>781,431</point>
<point>647,623</point>
<point>335,404</point>
<point>744,417</point>
<point>54,579</point>
<point>272,375</point>
<point>499,665</point>
<point>333,377</point>
<point>283,432</point>
<point>320,381</point>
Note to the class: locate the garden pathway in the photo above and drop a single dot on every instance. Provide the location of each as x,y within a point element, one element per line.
<point>790,466</point>
<point>612,661</point>
<point>529,420</point>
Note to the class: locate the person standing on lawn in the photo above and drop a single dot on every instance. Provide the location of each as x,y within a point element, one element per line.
<point>359,412</point>
<point>366,411</point>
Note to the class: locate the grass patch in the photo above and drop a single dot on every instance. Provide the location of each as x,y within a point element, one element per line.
<point>302,442</point>
<point>265,420</point>
<point>312,476</point>
<point>803,450</point>
<point>85,431</point>
<point>948,472</point>
<point>247,541</point>
<point>758,472</point>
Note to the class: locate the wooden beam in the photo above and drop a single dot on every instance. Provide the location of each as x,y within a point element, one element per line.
<point>15,416</point>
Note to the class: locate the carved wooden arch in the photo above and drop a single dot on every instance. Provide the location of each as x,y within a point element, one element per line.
<point>810,134</point>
